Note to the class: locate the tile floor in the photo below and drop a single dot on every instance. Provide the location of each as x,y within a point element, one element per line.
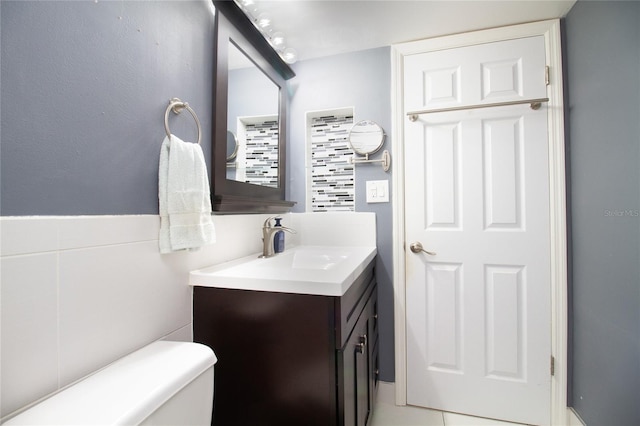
<point>386,413</point>
<point>391,415</point>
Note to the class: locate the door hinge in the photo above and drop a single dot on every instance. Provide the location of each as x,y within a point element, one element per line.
<point>553,365</point>
<point>546,75</point>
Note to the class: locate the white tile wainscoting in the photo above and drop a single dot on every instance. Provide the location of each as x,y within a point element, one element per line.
<point>79,292</point>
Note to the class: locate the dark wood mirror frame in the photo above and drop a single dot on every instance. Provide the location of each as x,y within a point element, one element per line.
<point>230,196</point>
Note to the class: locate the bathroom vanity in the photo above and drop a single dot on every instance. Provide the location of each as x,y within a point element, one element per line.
<point>303,352</point>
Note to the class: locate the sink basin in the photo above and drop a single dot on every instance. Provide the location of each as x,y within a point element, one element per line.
<point>321,270</point>
<point>305,258</point>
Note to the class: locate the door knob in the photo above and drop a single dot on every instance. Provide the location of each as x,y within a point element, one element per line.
<point>417,248</point>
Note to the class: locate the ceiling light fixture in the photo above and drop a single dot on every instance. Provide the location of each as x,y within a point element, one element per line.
<point>263,22</point>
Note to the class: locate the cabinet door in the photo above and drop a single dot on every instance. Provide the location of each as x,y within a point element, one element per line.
<point>355,368</point>
<point>363,391</point>
<point>372,311</point>
<point>276,356</point>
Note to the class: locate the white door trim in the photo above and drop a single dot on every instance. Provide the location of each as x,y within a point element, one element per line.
<point>558,221</point>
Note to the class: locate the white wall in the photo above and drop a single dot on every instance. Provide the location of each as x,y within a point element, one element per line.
<point>79,292</point>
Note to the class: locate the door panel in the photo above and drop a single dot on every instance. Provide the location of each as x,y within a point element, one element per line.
<point>477,194</point>
<point>444,317</point>
<point>474,75</point>
<point>505,322</point>
<point>442,181</point>
<point>502,173</point>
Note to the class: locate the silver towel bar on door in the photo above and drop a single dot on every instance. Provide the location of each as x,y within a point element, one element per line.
<point>176,105</point>
<point>534,103</point>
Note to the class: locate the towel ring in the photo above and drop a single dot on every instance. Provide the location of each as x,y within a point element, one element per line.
<point>176,105</point>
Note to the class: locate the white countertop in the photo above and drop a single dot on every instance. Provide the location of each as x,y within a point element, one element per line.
<point>319,270</point>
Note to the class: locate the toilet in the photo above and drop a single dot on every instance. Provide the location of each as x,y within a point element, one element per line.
<point>168,383</point>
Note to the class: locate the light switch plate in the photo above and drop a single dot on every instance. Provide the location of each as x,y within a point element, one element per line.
<point>377,191</point>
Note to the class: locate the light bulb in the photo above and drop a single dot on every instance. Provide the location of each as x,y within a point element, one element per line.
<point>277,40</point>
<point>264,21</point>
<point>249,6</point>
<point>289,55</point>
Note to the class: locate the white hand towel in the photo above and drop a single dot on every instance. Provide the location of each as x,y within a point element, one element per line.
<point>183,194</point>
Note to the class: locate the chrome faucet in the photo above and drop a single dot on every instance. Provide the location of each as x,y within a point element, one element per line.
<point>268,233</point>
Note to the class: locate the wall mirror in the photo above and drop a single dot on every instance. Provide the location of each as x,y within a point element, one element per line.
<point>250,105</point>
<point>366,137</point>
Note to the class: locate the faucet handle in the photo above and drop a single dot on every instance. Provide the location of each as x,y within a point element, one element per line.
<point>267,223</point>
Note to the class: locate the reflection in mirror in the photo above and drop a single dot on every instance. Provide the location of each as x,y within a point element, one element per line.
<point>257,160</point>
<point>252,114</point>
<point>366,137</point>
<point>232,146</point>
<point>232,153</point>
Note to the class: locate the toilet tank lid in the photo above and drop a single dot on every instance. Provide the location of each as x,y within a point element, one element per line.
<point>126,391</point>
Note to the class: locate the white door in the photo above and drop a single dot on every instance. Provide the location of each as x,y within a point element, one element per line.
<point>477,196</point>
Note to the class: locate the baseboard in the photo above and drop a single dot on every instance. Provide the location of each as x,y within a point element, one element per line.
<point>387,393</point>
<point>573,419</point>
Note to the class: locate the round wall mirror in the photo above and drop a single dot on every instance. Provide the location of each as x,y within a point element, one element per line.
<point>366,137</point>
<point>232,146</point>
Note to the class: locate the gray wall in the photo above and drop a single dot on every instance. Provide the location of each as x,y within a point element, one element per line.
<point>84,90</point>
<point>603,78</point>
<point>85,86</point>
<point>361,80</point>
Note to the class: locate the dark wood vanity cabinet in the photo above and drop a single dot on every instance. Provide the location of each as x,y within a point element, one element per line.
<point>291,359</point>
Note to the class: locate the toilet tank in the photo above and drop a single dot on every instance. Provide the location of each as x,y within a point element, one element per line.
<point>168,383</point>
